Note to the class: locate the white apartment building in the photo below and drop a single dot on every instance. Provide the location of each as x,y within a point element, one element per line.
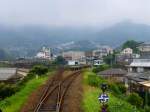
<point>45,53</point>
<point>127,51</point>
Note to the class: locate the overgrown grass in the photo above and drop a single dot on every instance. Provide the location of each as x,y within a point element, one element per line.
<point>91,103</point>
<point>15,102</point>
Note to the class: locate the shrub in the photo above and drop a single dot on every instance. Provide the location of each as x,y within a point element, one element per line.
<point>117,88</point>
<point>94,80</point>
<point>114,88</point>
<point>39,70</point>
<point>147,109</point>
<point>7,90</point>
<point>121,87</point>
<point>100,68</point>
<point>135,100</point>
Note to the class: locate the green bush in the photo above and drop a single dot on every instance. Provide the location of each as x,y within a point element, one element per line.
<point>147,109</point>
<point>122,88</point>
<point>135,100</point>
<point>114,88</point>
<point>100,68</point>
<point>117,88</point>
<point>7,90</point>
<point>94,80</point>
<point>39,70</point>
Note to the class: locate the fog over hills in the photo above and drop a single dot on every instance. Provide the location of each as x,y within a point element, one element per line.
<point>27,40</point>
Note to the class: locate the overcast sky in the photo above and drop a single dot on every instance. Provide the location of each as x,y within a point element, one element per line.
<point>73,12</point>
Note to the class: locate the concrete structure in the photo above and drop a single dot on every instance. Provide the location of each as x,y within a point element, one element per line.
<point>127,51</point>
<point>73,55</point>
<point>45,53</point>
<point>9,75</point>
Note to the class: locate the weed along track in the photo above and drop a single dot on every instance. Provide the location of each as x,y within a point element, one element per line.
<point>54,95</point>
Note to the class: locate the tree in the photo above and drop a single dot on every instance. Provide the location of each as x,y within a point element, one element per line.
<point>7,90</point>
<point>60,61</point>
<point>100,68</point>
<point>135,100</point>
<point>39,70</point>
<point>110,59</point>
<point>131,44</point>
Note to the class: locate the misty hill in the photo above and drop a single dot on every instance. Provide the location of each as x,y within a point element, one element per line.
<point>119,33</point>
<point>27,40</point>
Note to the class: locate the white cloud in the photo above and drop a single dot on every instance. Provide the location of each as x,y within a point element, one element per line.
<point>73,12</point>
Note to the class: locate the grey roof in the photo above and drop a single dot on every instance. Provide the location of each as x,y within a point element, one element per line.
<point>113,71</point>
<point>139,77</point>
<point>6,73</point>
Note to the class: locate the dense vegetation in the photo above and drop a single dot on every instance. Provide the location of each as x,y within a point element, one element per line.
<point>131,44</point>
<point>15,102</point>
<point>119,100</point>
<point>7,90</point>
<point>20,91</point>
<point>100,68</point>
<point>91,94</point>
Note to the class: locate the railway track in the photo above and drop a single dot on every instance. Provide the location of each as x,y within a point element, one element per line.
<point>53,96</point>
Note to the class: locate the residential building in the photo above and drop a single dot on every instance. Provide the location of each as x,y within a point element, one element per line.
<point>144,50</point>
<point>114,74</point>
<point>127,51</point>
<point>45,53</point>
<point>139,65</point>
<point>102,51</point>
<point>73,55</point>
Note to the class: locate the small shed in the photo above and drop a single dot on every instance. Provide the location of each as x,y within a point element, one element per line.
<point>115,74</point>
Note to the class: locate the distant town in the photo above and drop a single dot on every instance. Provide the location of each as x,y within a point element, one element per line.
<point>128,65</point>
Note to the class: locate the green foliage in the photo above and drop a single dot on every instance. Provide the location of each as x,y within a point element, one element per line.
<point>100,68</point>
<point>110,59</point>
<point>92,104</point>
<point>117,88</point>
<point>94,80</point>
<point>135,100</point>
<point>147,109</point>
<point>15,102</point>
<point>131,44</point>
<point>122,88</point>
<point>39,70</point>
<point>7,90</point>
<point>60,61</point>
